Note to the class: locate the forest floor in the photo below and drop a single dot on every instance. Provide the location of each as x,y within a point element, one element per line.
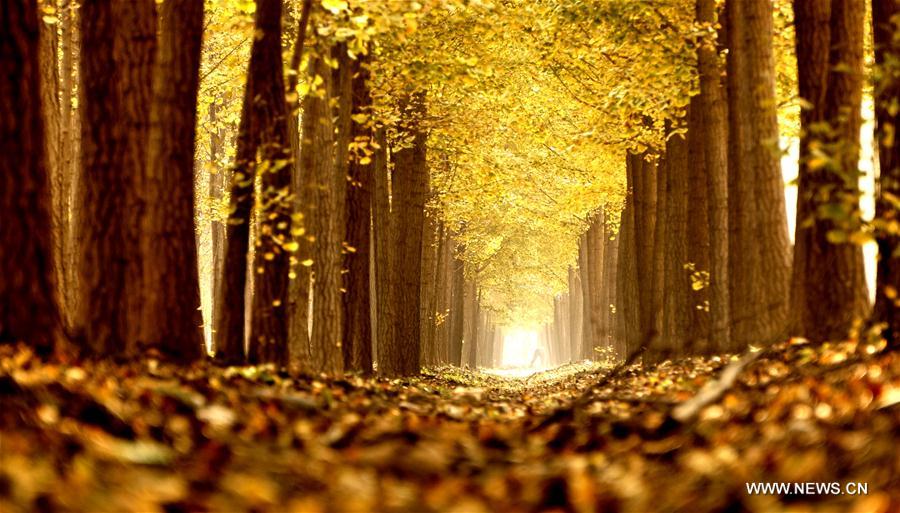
<point>149,436</point>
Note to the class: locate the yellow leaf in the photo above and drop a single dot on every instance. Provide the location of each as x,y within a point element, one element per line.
<point>335,6</point>
<point>307,263</point>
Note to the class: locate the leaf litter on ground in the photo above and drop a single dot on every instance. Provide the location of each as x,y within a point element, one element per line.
<point>149,436</point>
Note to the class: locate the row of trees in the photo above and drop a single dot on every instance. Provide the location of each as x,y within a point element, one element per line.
<point>394,182</point>
<point>701,256</point>
<point>322,251</point>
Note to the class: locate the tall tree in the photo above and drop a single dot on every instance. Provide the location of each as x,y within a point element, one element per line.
<point>119,45</point>
<point>409,190</point>
<point>50,104</point>
<point>430,241</point>
<point>28,306</point>
<point>828,286</point>
<point>69,162</point>
<point>678,304</point>
<point>470,314</point>
<point>595,245</point>
<point>691,323</point>
<point>644,186</point>
<point>299,286</point>
<point>457,304</point>
<point>357,343</point>
<point>384,231</point>
<point>171,317</point>
<point>885,20</point>
<point>575,314</point>
<point>713,116</point>
<point>628,304</point>
<point>656,279</point>
<point>609,286</point>
<point>326,185</point>
<point>584,265</point>
<point>263,131</point>
<point>759,246</point>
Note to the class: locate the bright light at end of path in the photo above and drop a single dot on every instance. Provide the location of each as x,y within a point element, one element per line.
<point>520,347</point>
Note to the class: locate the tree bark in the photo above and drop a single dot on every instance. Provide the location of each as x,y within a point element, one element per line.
<point>693,332</point>
<point>432,299</point>
<point>684,239</point>
<point>385,253</point>
<point>628,305</point>
<point>457,306</point>
<point>119,45</point>
<point>713,136</point>
<point>217,227</point>
<point>263,129</point>
<point>444,297</point>
<point>759,247</point>
<point>171,319</point>
<point>49,84</point>
<point>326,185</point>
<point>609,287</point>
<point>828,287</point>
<point>656,280</point>
<point>430,238</point>
<point>357,344</point>
<point>69,163</point>
<point>28,306</point>
<point>299,285</point>
<point>471,313</point>
<point>584,265</point>
<point>645,230</point>
<point>887,118</point>
<point>410,187</point>
<point>596,244</point>
<point>575,314</point>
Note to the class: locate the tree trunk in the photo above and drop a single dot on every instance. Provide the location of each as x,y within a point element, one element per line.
<point>596,237</point>
<point>171,319</point>
<point>713,136</point>
<point>430,238</point>
<point>69,162</point>
<point>470,314</point>
<point>628,306</point>
<point>645,230</point>
<point>691,182</point>
<point>49,84</point>
<point>575,314</point>
<point>759,247</point>
<point>327,187</point>
<point>444,299</point>
<point>119,46</point>
<point>887,118</point>
<point>684,239</point>
<point>385,253</point>
<point>410,187</point>
<point>457,306</point>
<point>263,129</point>
<point>28,307</point>
<point>304,151</point>
<point>584,265</point>
<point>656,280</point>
<point>609,287</point>
<point>828,287</point>
<point>217,227</point>
<point>357,343</point>
<point>432,331</point>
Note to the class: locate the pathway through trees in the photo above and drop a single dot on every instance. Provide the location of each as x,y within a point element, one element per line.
<point>152,437</point>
